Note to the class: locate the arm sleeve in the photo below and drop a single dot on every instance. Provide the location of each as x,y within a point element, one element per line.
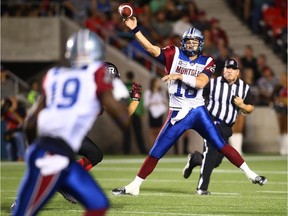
<point>168,56</point>
<point>210,67</point>
<point>249,98</point>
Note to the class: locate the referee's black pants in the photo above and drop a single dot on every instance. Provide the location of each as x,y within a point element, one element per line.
<point>212,158</point>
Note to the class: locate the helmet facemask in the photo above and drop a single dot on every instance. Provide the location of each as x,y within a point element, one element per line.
<point>192,34</point>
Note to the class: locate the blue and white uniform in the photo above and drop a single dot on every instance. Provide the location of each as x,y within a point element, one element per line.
<point>187,108</point>
<point>72,106</point>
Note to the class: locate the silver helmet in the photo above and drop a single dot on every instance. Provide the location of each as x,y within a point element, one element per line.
<point>84,47</point>
<point>192,33</point>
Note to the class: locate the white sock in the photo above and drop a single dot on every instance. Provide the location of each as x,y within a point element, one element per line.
<point>137,181</point>
<point>236,141</point>
<point>249,173</point>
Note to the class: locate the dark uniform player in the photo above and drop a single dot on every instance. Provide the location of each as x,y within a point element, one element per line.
<point>227,97</point>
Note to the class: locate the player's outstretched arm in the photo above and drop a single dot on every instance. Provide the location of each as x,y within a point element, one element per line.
<point>132,107</point>
<point>131,23</point>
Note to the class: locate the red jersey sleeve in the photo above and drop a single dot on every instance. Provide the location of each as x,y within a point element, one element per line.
<point>210,67</point>
<point>103,80</point>
<point>169,53</point>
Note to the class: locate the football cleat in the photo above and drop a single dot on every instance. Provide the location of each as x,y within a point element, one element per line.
<point>68,197</point>
<point>130,189</point>
<point>261,180</point>
<point>119,191</point>
<point>194,159</point>
<point>202,192</point>
<point>13,206</point>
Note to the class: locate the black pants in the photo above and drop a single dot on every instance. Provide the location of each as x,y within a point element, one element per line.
<point>91,151</point>
<point>137,126</point>
<point>212,158</point>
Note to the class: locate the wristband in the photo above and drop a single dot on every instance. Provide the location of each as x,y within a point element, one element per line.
<point>135,30</point>
<point>189,80</point>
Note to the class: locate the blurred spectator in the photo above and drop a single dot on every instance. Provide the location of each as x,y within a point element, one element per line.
<point>173,12</point>
<point>13,114</point>
<point>102,6</point>
<point>280,98</point>
<point>136,122</point>
<point>248,77</point>
<point>261,64</point>
<point>76,10</point>
<point>266,84</point>
<point>161,25</point>
<point>220,60</point>
<point>156,5</point>
<point>217,32</point>
<point>7,84</point>
<point>34,92</point>
<point>248,60</point>
<point>155,101</point>
<point>210,48</point>
<point>94,21</point>
<point>192,8</point>
<point>202,22</point>
<point>256,13</point>
<point>181,23</point>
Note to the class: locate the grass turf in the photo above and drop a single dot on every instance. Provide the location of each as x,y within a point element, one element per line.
<point>166,192</point>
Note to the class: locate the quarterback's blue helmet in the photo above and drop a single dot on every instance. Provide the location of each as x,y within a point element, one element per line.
<point>192,33</point>
<point>84,47</point>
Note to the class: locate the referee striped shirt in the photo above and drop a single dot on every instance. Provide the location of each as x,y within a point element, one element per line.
<point>220,102</point>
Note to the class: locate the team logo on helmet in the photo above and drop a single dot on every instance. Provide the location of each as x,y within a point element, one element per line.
<point>112,69</point>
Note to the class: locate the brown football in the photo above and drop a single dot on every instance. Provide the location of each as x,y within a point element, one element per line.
<point>125,10</point>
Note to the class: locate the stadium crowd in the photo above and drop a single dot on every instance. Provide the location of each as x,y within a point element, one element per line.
<point>162,22</point>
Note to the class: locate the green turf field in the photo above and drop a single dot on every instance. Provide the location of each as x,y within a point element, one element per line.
<point>166,192</point>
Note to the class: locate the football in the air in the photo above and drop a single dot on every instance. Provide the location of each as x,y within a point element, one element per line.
<point>125,10</point>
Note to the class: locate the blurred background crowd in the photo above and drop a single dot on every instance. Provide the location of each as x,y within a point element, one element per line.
<point>163,22</point>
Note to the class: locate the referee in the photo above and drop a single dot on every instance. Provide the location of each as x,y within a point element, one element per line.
<point>227,95</point>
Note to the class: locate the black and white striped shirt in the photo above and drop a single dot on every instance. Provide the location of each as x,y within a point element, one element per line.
<point>220,102</point>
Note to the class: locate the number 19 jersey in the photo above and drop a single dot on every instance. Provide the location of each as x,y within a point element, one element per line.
<point>72,102</point>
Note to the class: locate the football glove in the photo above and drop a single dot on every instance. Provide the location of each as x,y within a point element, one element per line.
<point>135,92</point>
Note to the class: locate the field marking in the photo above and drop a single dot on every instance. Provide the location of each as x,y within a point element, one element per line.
<point>213,194</point>
<point>168,159</point>
<point>111,210</point>
<point>178,170</point>
<point>274,192</point>
<point>160,213</point>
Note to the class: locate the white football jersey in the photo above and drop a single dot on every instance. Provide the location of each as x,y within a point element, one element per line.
<point>72,102</point>
<point>120,91</point>
<point>180,94</point>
